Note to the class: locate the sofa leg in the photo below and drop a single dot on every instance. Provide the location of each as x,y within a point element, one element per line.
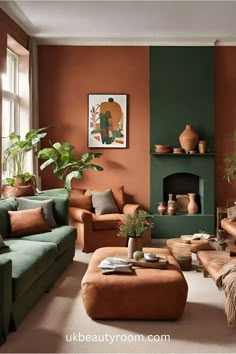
<point>205,273</point>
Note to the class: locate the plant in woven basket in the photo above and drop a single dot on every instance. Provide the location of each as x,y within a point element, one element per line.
<point>135,225</point>
<point>14,156</point>
<point>230,164</point>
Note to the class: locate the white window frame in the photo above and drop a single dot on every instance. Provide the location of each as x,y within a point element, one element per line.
<point>13,97</point>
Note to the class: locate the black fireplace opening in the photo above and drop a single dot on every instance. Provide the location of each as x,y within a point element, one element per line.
<point>181,183</point>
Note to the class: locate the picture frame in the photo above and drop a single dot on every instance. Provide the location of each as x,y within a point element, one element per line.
<point>107,120</point>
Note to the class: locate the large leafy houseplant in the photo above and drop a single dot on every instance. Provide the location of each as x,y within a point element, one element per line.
<point>14,155</point>
<point>230,164</point>
<point>64,163</point>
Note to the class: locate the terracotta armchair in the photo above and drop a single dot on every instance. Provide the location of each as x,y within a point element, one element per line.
<point>95,231</point>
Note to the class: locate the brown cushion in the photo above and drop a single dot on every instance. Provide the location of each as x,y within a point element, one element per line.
<point>79,199</point>
<point>118,194</point>
<point>27,222</point>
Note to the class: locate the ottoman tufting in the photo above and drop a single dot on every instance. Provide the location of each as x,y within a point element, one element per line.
<point>146,294</point>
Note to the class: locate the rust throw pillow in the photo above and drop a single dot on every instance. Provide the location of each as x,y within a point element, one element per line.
<point>27,222</point>
<point>79,199</point>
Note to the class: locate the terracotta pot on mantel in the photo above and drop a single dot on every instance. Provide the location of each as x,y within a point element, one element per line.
<point>188,139</point>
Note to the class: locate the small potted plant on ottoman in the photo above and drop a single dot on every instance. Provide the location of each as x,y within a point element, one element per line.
<point>134,227</point>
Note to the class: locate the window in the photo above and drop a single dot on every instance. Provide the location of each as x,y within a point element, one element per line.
<point>10,101</point>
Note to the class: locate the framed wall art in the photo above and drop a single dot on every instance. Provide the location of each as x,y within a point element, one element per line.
<point>107,120</point>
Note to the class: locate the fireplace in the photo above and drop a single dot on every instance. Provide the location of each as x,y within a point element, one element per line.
<point>183,174</point>
<point>181,183</point>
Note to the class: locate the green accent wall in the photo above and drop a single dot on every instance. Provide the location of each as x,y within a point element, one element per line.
<point>182,92</point>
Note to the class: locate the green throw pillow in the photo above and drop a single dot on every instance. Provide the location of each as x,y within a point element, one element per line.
<point>46,205</point>
<point>104,203</point>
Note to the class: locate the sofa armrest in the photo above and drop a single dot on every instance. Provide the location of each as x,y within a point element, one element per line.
<point>130,208</point>
<point>5,296</point>
<point>80,215</point>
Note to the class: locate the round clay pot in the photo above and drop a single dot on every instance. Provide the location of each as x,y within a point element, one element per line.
<point>188,139</point>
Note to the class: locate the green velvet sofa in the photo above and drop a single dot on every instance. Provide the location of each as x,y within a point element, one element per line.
<point>31,264</point>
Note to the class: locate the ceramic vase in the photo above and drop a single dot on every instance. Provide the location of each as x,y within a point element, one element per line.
<point>171,206</point>
<point>134,244</point>
<point>192,206</point>
<point>202,146</point>
<point>188,139</point>
<point>161,208</point>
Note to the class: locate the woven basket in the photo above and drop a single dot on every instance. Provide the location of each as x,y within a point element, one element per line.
<point>17,191</point>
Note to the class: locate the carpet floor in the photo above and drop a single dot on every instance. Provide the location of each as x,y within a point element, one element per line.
<point>59,323</point>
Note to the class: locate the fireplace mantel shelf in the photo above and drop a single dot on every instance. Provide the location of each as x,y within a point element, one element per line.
<point>208,154</point>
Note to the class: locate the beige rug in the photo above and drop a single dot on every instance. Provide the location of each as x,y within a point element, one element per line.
<point>59,323</point>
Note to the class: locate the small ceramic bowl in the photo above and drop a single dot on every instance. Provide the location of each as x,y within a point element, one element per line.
<point>162,146</point>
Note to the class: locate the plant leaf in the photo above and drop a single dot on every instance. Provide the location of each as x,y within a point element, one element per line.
<point>70,176</point>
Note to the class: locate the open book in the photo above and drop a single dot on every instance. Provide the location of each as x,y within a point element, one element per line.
<point>115,265</point>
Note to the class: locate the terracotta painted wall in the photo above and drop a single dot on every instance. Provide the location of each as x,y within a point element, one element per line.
<point>225,117</point>
<point>67,74</point>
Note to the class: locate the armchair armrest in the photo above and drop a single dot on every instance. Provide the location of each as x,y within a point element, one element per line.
<point>5,296</point>
<point>229,226</point>
<point>130,208</point>
<point>80,215</point>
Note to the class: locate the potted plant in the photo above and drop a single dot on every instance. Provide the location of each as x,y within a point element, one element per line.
<point>230,164</point>
<point>64,163</point>
<point>19,181</point>
<point>134,227</point>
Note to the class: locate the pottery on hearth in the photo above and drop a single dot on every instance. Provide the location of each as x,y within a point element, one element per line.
<point>161,208</point>
<point>192,205</point>
<point>188,139</point>
<point>171,205</point>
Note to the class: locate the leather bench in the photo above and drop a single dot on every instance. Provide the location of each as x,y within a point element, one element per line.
<point>213,261</point>
<point>147,294</point>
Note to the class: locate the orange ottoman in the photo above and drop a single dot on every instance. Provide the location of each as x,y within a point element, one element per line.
<point>147,294</point>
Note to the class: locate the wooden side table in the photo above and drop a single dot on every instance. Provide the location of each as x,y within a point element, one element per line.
<point>221,213</point>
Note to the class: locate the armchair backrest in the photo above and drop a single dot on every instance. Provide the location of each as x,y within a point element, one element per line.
<point>82,198</point>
